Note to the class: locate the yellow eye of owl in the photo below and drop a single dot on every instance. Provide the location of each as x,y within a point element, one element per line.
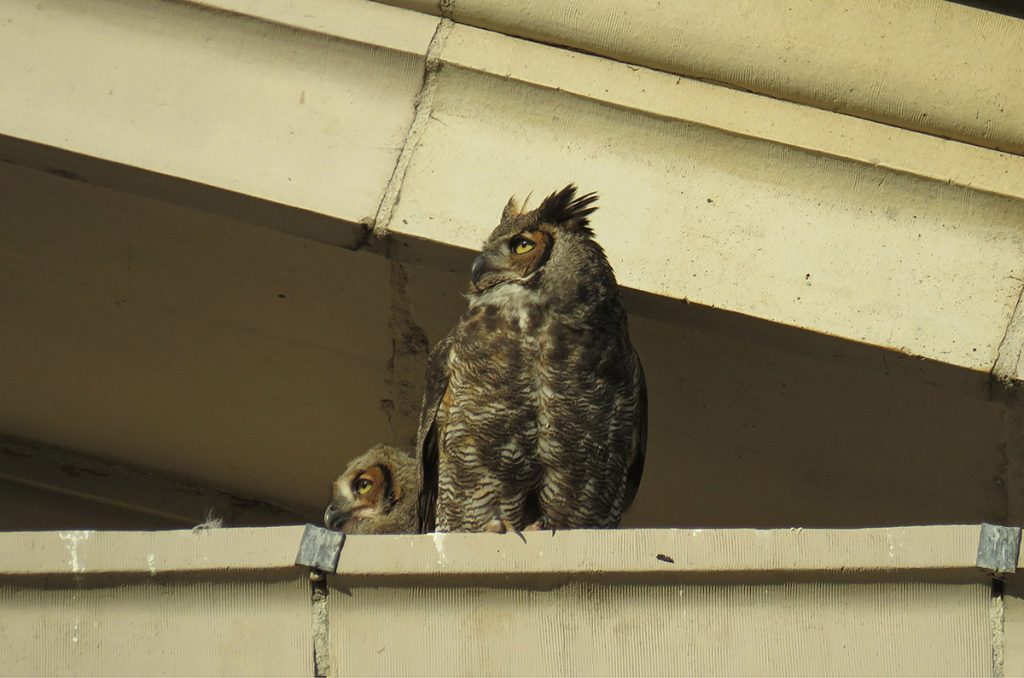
<point>363,486</point>
<point>521,245</point>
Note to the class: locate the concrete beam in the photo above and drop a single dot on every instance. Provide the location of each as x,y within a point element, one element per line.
<point>266,106</point>
<point>879,61</point>
<point>829,230</point>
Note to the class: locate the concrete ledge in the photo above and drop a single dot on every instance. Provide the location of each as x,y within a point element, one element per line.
<point>937,549</point>
<point>897,600</point>
<point>757,553</point>
<point>97,552</point>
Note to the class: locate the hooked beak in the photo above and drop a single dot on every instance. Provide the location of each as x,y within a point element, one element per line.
<point>481,265</point>
<point>334,517</point>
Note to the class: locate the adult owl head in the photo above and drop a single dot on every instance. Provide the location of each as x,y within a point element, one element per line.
<point>525,245</point>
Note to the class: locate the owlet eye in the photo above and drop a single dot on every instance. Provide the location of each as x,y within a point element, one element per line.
<point>521,245</point>
<point>363,485</point>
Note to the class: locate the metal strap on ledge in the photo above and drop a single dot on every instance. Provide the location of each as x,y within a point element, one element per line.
<point>320,548</point>
<point>998,548</point>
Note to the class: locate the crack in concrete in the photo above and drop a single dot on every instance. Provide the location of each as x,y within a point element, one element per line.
<point>409,350</point>
<point>1004,387</point>
<point>365,234</point>
<point>1002,376</point>
<point>409,344</point>
<point>321,623</point>
<point>1012,449</point>
<point>421,118</point>
<point>997,620</point>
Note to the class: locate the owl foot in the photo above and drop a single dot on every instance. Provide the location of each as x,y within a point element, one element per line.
<point>503,526</point>
<point>538,525</point>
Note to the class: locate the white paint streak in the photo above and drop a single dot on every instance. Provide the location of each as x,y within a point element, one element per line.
<point>71,540</point>
<point>151,563</point>
<point>892,546</point>
<point>74,632</point>
<point>442,559</point>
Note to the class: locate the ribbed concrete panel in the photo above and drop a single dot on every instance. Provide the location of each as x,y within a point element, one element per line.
<point>208,96</point>
<point>206,602</point>
<point>896,601</point>
<point>156,628</point>
<point>1012,627</point>
<point>663,602</point>
<point>639,602</point>
<point>874,59</point>
<point>691,212</point>
<point>813,628</point>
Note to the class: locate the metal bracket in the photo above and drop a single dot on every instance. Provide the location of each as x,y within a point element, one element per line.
<point>998,548</point>
<point>320,548</point>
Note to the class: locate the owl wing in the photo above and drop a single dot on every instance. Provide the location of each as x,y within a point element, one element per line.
<point>427,434</point>
<point>636,467</point>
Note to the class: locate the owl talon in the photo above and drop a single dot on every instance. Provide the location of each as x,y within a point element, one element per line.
<point>503,526</point>
<point>538,525</point>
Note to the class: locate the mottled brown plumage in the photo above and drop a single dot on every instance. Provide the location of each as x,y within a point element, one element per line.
<point>377,494</point>
<point>535,413</point>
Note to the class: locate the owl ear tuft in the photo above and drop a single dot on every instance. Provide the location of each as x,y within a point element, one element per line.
<point>564,209</point>
<point>511,209</point>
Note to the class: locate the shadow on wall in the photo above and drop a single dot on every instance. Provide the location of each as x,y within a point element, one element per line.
<point>1007,7</point>
<point>760,425</point>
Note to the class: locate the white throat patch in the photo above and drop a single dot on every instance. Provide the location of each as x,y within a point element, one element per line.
<point>512,300</point>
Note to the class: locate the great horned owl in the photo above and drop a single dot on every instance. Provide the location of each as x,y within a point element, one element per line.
<point>376,494</point>
<point>535,413</point>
